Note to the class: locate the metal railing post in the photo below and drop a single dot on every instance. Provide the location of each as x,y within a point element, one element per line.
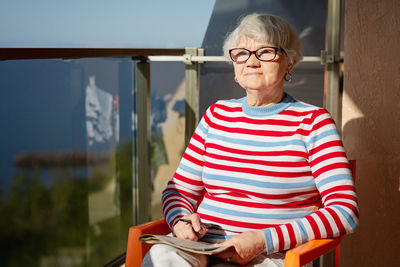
<point>333,102</point>
<point>143,143</point>
<point>331,59</point>
<point>191,91</point>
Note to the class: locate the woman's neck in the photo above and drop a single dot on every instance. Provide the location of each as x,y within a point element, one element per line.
<point>257,99</point>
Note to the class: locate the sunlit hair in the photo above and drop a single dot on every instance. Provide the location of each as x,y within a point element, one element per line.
<point>268,29</point>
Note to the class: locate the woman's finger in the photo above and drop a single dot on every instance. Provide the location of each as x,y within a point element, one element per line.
<point>185,230</point>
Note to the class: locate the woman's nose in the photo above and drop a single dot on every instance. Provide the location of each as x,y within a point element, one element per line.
<point>253,61</point>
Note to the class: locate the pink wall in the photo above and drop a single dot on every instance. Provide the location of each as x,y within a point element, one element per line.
<point>371,128</point>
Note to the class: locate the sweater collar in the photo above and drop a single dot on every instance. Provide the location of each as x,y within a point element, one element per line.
<point>267,110</point>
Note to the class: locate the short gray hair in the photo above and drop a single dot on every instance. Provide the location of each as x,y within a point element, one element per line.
<point>267,29</point>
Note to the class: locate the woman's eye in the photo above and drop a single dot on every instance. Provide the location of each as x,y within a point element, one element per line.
<point>266,51</point>
<point>241,53</point>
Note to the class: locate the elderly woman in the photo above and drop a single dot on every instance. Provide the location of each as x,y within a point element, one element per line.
<point>259,166</point>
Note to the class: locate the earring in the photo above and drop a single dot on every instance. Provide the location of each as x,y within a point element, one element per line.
<point>288,77</point>
<point>236,80</point>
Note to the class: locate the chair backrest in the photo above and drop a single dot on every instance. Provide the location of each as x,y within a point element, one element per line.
<point>136,250</point>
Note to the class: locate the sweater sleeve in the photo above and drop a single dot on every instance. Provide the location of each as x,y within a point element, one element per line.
<point>330,168</point>
<point>185,190</point>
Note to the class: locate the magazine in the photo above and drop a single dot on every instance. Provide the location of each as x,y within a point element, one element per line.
<point>199,247</point>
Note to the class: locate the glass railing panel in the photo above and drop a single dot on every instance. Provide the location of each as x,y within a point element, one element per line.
<point>66,149</point>
<point>167,125</point>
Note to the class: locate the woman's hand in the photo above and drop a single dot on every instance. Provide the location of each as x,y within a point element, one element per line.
<point>192,231</point>
<point>246,246</point>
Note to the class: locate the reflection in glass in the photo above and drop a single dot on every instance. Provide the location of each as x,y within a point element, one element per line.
<point>64,157</point>
<point>167,126</point>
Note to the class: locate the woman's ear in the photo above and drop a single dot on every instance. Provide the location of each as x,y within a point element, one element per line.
<point>290,67</point>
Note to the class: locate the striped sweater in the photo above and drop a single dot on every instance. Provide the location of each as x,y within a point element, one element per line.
<point>267,168</point>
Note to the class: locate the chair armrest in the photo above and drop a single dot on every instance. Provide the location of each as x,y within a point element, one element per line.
<point>309,251</point>
<point>136,250</point>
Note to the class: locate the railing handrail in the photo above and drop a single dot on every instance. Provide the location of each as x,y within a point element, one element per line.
<point>74,53</point>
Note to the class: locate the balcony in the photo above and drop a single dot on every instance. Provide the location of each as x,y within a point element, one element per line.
<point>90,136</point>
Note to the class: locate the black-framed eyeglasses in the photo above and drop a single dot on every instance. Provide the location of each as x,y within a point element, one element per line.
<point>241,55</point>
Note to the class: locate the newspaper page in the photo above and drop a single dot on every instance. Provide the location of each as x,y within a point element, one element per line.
<point>199,247</point>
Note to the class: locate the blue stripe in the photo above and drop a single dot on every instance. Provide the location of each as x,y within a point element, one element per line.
<point>334,178</point>
<point>176,192</point>
<point>268,239</point>
<point>347,216</point>
<point>319,136</point>
<point>237,213</point>
<point>262,184</point>
<point>202,128</point>
<point>304,235</point>
<point>220,237</point>
<point>189,170</point>
<point>246,142</point>
<point>175,212</point>
<point>240,100</point>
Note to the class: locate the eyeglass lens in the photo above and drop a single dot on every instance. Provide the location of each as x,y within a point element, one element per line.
<point>241,55</point>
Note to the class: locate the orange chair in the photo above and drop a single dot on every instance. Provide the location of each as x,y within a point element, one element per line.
<point>295,257</point>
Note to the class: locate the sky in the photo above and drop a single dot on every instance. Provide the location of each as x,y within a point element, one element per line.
<point>104,23</point>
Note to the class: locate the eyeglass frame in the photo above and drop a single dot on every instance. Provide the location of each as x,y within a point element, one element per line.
<point>277,49</point>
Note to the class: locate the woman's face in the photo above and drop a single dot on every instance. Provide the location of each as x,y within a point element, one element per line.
<point>258,75</point>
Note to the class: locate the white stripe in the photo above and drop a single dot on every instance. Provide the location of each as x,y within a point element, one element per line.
<point>257,210</point>
<point>331,221</point>
<point>283,158</point>
<point>320,225</point>
<point>309,230</point>
<point>257,166</point>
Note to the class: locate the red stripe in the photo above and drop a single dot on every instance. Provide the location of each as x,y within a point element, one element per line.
<point>178,205</point>
<point>289,164</point>
<point>347,205</point>
<point>293,153</point>
<point>196,149</point>
<point>280,238</point>
<point>184,193</point>
<point>338,154</point>
<point>252,131</point>
<point>292,235</point>
<point>311,202</point>
<point>207,119</point>
<point>311,121</point>
<point>296,113</point>
<point>337,196</point>
<point>330,167</point>
<point>182,204</point>
<point>337,220</point>
<point>227,108</point>
<point>336,189</point>
<point>198,138</point>
<point>188,180</point>
<point>314,227</point>
<point>256,171</point>
<point>193,160</point>
<point>326,224</point>
<point>322,123</point>
<point>325,146</point>
<point>256,194</point>
<point>257,121</point>
<point>242,224</point>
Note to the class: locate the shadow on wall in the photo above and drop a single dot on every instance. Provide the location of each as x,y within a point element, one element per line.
<point>371,129</point>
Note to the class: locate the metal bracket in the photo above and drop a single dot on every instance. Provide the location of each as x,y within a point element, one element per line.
<point>187,59</point>
<point>329,59</point>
